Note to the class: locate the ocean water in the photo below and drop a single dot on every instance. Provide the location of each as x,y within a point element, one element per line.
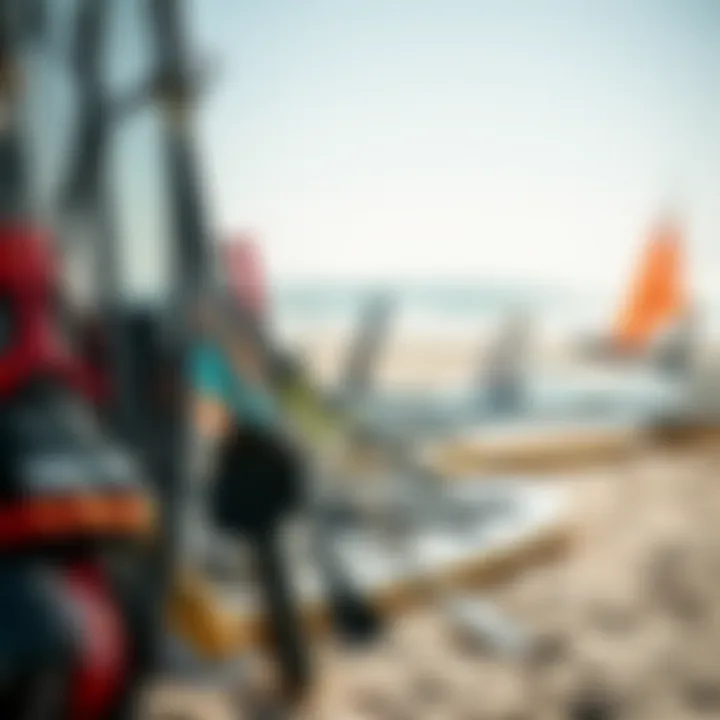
<point>452,310</point>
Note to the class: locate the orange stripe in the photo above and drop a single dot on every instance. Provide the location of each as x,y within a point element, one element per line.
<point>58,518</point>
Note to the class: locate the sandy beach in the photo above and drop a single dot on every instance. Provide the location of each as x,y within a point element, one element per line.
<point>627,625</point>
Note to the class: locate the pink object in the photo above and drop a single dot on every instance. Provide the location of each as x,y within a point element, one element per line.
<point>246,273</point>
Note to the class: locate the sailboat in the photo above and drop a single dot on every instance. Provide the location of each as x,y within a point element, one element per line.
<point>639,371</point>
<point>655,320</point>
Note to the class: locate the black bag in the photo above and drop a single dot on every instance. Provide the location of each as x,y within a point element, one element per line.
<point>54,455</point>
<point>260,481</point>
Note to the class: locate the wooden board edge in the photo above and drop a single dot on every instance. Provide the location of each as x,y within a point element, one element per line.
<point>465,461</point>
<point>222,635</point>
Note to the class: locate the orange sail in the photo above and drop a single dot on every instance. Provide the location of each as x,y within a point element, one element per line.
<point>657,295</point>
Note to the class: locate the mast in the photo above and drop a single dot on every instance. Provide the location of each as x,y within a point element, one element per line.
<point>176,93</point>
<point>356,379</point>
<point>14,201</point>
<point>87,204</point>
<point>191,272</point>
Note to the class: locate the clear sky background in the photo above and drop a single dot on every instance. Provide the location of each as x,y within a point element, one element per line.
<point>532,138</point>
<point>529,139</point>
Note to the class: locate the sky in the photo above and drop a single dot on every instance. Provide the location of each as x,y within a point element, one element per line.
<point>448,139</point>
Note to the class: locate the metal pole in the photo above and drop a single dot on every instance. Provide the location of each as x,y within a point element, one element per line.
<point>13,168</point>
<point>191,269</point>
<point>86,200</point>
<point>357,377</point>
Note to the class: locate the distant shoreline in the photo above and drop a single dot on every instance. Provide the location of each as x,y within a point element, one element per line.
<point>427,360</point>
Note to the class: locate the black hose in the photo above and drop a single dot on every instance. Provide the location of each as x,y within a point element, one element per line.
<point>289,645</point>
<point>354,618</point>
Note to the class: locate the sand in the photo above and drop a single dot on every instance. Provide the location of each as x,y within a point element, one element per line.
<point>628,626</point>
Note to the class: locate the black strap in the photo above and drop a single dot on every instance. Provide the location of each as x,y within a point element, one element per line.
<point>285,623</point>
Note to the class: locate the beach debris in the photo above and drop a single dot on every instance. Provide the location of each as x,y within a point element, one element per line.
<point>673,580</point>
<point>494,691</point>
<point>592,704</point>
<point>702,694</point>
<point>696,672</point>
<point>614,618</point>
<point>381,704</point>
<point>429,688</point>
<point>175,701</point>
<point>478,624</point>
<point>548,648</point>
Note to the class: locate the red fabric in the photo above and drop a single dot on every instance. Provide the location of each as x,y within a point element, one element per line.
<point>76,515</point>
<point>94,367</point>
<point>99,677</point>
<point>28,281</point>
<point>95,384</point>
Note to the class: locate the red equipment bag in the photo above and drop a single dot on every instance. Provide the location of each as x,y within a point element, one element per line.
<point>61,481</point>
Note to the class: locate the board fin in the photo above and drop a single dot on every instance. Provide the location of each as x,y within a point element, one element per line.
<point>364,351</point>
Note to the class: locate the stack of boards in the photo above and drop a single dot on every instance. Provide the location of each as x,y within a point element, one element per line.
<point>546,400</point>
<point>486,531</point>
<point>563,419</point>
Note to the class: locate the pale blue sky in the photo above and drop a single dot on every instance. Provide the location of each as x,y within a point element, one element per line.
<point>464,137</point>
<point>456,138</point>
